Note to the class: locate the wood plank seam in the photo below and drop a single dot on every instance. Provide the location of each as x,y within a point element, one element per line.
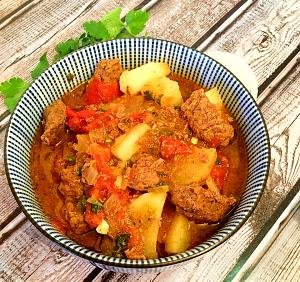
<point>13,15</point>
<point>223,24</point>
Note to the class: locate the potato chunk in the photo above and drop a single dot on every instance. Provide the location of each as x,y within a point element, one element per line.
<point>131,82</point>
<point>146,213</point>
<point>197,166</point>
<point>178,237</point>
<point>164,91</point>
<point>214,96</point>
<point>126,145</point>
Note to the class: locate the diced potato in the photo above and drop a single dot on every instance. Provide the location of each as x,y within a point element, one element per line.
<point>164,91</point>
<point>126,145</point>
<point>131,82</point>
<point>214,96</point>
<point>146,213</point>
<point>178,237</point>
<point>193,168</point>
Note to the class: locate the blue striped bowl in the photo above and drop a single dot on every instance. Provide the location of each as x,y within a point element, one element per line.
<point>53,83</point>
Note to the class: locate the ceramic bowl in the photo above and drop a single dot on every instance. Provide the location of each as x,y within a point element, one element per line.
<point>189,63</point>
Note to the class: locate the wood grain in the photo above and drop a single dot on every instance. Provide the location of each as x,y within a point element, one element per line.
<point>7,7</point>
<point>264,36</point>
<point>29,255</point>
<point>25,51</point>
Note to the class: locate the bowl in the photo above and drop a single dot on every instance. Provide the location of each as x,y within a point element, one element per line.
<point>184,61</point>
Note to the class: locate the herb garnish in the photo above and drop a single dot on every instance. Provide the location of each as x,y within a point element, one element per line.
<point>109,27</point>
<point>96,205</point>
<point>218,161</point>
<point>121,245</point>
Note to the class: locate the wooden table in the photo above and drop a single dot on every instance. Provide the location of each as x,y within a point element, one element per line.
<point>266,34</point>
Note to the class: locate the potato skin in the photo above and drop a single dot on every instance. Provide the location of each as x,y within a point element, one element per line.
<point>164,91</point>
<point>131,82</point>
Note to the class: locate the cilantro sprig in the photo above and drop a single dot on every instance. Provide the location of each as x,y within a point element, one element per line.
<point>109,27</point>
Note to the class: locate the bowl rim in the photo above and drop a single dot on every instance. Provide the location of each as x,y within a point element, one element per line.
<point>152,262</point>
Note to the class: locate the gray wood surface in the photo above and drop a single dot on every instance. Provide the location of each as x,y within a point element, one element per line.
<point>265,33</point>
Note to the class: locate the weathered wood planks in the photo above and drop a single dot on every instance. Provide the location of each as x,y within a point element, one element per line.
<point>18,252</point>
<point>265,35</point>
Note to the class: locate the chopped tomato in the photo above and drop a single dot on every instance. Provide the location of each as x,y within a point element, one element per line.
<point>91,218</point>
<point>138,117</point>
<point>170,147</point>
<point>86,120</point>
<point>220,171</point>
<point>99,91</point>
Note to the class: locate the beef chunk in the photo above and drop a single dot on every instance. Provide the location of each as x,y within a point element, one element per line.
<point>144,172</point>
<point>199,204</point>
<point>70,186</point>
<point>75,217</point>
<point>109,70</point>
<point>54,123</point>
<point>206,121</point>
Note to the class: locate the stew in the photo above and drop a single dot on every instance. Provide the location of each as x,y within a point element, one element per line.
<point>138,164</point>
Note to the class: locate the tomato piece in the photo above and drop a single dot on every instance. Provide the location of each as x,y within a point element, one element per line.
<point>220,171</point>
<point>170,147</point>
<point>99,91</point>
<point>138,117</point>
<point>92,219</point>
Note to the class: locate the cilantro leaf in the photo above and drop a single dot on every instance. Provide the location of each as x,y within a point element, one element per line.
<point>113,23</point>
<point>85,40</point>
<point>96,30</point>
<point>135,21</point>
<point>12,90</point>
<point>66,47</point>
<point>40,67</point>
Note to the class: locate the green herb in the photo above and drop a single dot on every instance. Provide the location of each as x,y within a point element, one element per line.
<point>70,76</point>
<point>96,30</point>
<point>218,161</point>
<point>121,244</point>
<point>82,203</point>
<point>109,27</point>
<point>96,205</point>
<point>41,66</point>
<point>135,21</point>
<point>12,90</point>
<point>148,95</point>
<point>79,171</point>
<point>65,47</point>
<point>113,23</point>
<point>71,159</point>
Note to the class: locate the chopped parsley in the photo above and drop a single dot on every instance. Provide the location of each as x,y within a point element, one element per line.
<point>121,244</point>
<point>96,205</point>
<point>218,161</point>
<point>71,160</point>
